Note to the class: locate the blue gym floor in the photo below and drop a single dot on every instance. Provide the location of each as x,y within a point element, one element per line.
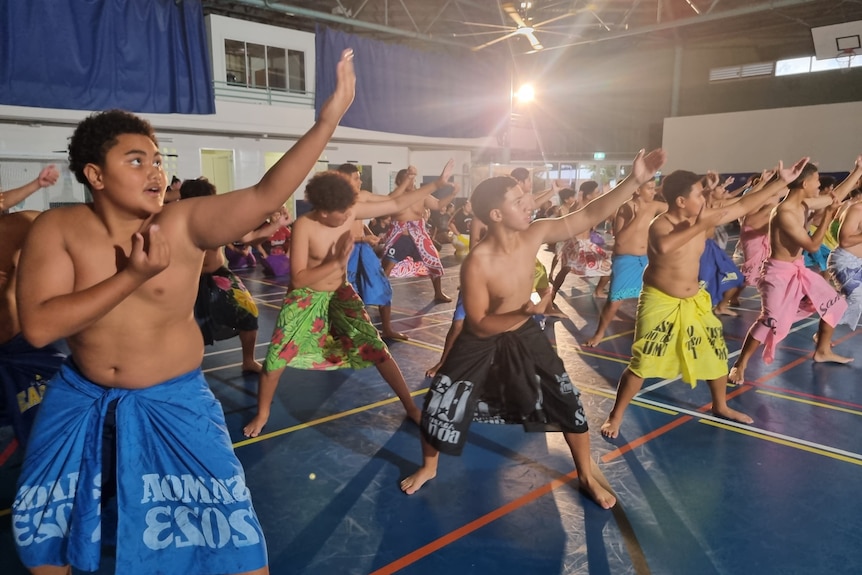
<point>697,495</point>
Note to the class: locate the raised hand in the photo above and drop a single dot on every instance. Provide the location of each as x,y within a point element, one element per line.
<point>48,176</point>
<point>712,179</point>
<point>791,173</point>
<point>645,166</point>
<point>447,171</point>
<point>345,89</point>
<point>150,253</point>
<point>709,218</point>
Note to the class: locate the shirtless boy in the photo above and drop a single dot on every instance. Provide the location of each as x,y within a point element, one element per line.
<point>788,290</point>
<point>408,237</point>
<point>676,331</point>
<point>845,261</point>
<point>364,269</point>
<point>24,369</point>
<point>323,323</point>
<point>117,279</point>
<point>631,228</point>
<point>496,282</point>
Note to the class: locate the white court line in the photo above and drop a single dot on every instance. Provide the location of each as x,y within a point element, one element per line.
<point>726,422</point>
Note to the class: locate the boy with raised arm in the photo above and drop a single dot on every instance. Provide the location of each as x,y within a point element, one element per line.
<point>48,176</point>
<point>629,259</point>
<point>364,269</point>
<point>676,330</point>
<point>323,324</point>
<point>131,417</point>
<point>502,368</point>
<point>788,290</point>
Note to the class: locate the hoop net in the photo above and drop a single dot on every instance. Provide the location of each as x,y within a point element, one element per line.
<point>845,58</point>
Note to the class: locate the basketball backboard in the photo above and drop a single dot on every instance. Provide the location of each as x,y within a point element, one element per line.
<point>837,40</point>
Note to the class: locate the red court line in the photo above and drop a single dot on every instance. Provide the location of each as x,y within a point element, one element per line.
<point>480,522</point>
<point>453,536</point>
<point>10,449</point>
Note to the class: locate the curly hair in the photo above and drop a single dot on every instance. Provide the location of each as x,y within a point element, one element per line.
<point>97,133</point>
<point>330,191</point>
<point>197,188</point>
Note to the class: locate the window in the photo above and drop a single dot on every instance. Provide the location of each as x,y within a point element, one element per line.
<point>296,67</point>
<point>812,64</point>
<point>265,67</point>
<point>787,67</point>
<point>234,61</point>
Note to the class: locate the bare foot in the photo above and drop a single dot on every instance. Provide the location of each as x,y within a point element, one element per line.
<point>830,357</point>
<point>736,375</point>
<point>255,367</point>
<point>593,341</point>
<point>432,371</point>
<point>733,415</point>
<point>415,415</point>
<point>724,310</point>
<point>412,484</point>
<point>610,428</point>
<point>603,498</point>
<point>254,427</point>
<point>394,335</point>
<point>442,298</point>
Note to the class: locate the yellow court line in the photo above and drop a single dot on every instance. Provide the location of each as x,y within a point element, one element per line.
<point>785,442</point>
<point>320,420</point>
<point>580,351</point>
<point>423,345</point>
<point>809,402</point>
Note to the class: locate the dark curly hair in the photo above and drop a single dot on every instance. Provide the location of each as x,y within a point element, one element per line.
<point>197,188</point>
<point>98,133</point>
<point>330,191</point>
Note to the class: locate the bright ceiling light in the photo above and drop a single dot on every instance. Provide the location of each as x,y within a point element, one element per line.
<point>525,93</point>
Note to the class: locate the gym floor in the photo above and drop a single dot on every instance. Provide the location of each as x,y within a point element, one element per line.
<point>697,494</point>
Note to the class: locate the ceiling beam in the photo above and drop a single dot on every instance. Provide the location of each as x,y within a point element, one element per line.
<point>290,9</point>
<point>703,18</point>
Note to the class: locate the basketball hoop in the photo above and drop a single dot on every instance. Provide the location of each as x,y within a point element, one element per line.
<point>845,59</point>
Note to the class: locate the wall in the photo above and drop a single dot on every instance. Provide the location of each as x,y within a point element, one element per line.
<point>614,97</point>
<point>754,140</point>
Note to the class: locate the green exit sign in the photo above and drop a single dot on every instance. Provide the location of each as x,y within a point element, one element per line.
<point>598,155</point>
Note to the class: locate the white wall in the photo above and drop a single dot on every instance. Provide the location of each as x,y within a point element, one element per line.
<point>752,141</point>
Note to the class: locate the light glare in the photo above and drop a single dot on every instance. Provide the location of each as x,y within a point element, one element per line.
<point>525,93</point>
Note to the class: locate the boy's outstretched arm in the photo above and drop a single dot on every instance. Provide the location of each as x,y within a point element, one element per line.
<point>220,219</point>
<point>844,188</point>
<point>754,200</point>
<point>644,168</point>
<point>47,177</point>
<point>395,203</point>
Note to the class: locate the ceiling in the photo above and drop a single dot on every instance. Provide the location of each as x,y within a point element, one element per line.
<point>454,25</point>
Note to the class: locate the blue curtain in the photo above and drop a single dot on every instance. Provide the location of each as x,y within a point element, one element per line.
<point>138,55</point>
<point>405,91</point>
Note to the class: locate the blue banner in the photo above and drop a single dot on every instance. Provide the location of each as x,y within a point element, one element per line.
<point>405,91</point>
<point>138,55</point>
